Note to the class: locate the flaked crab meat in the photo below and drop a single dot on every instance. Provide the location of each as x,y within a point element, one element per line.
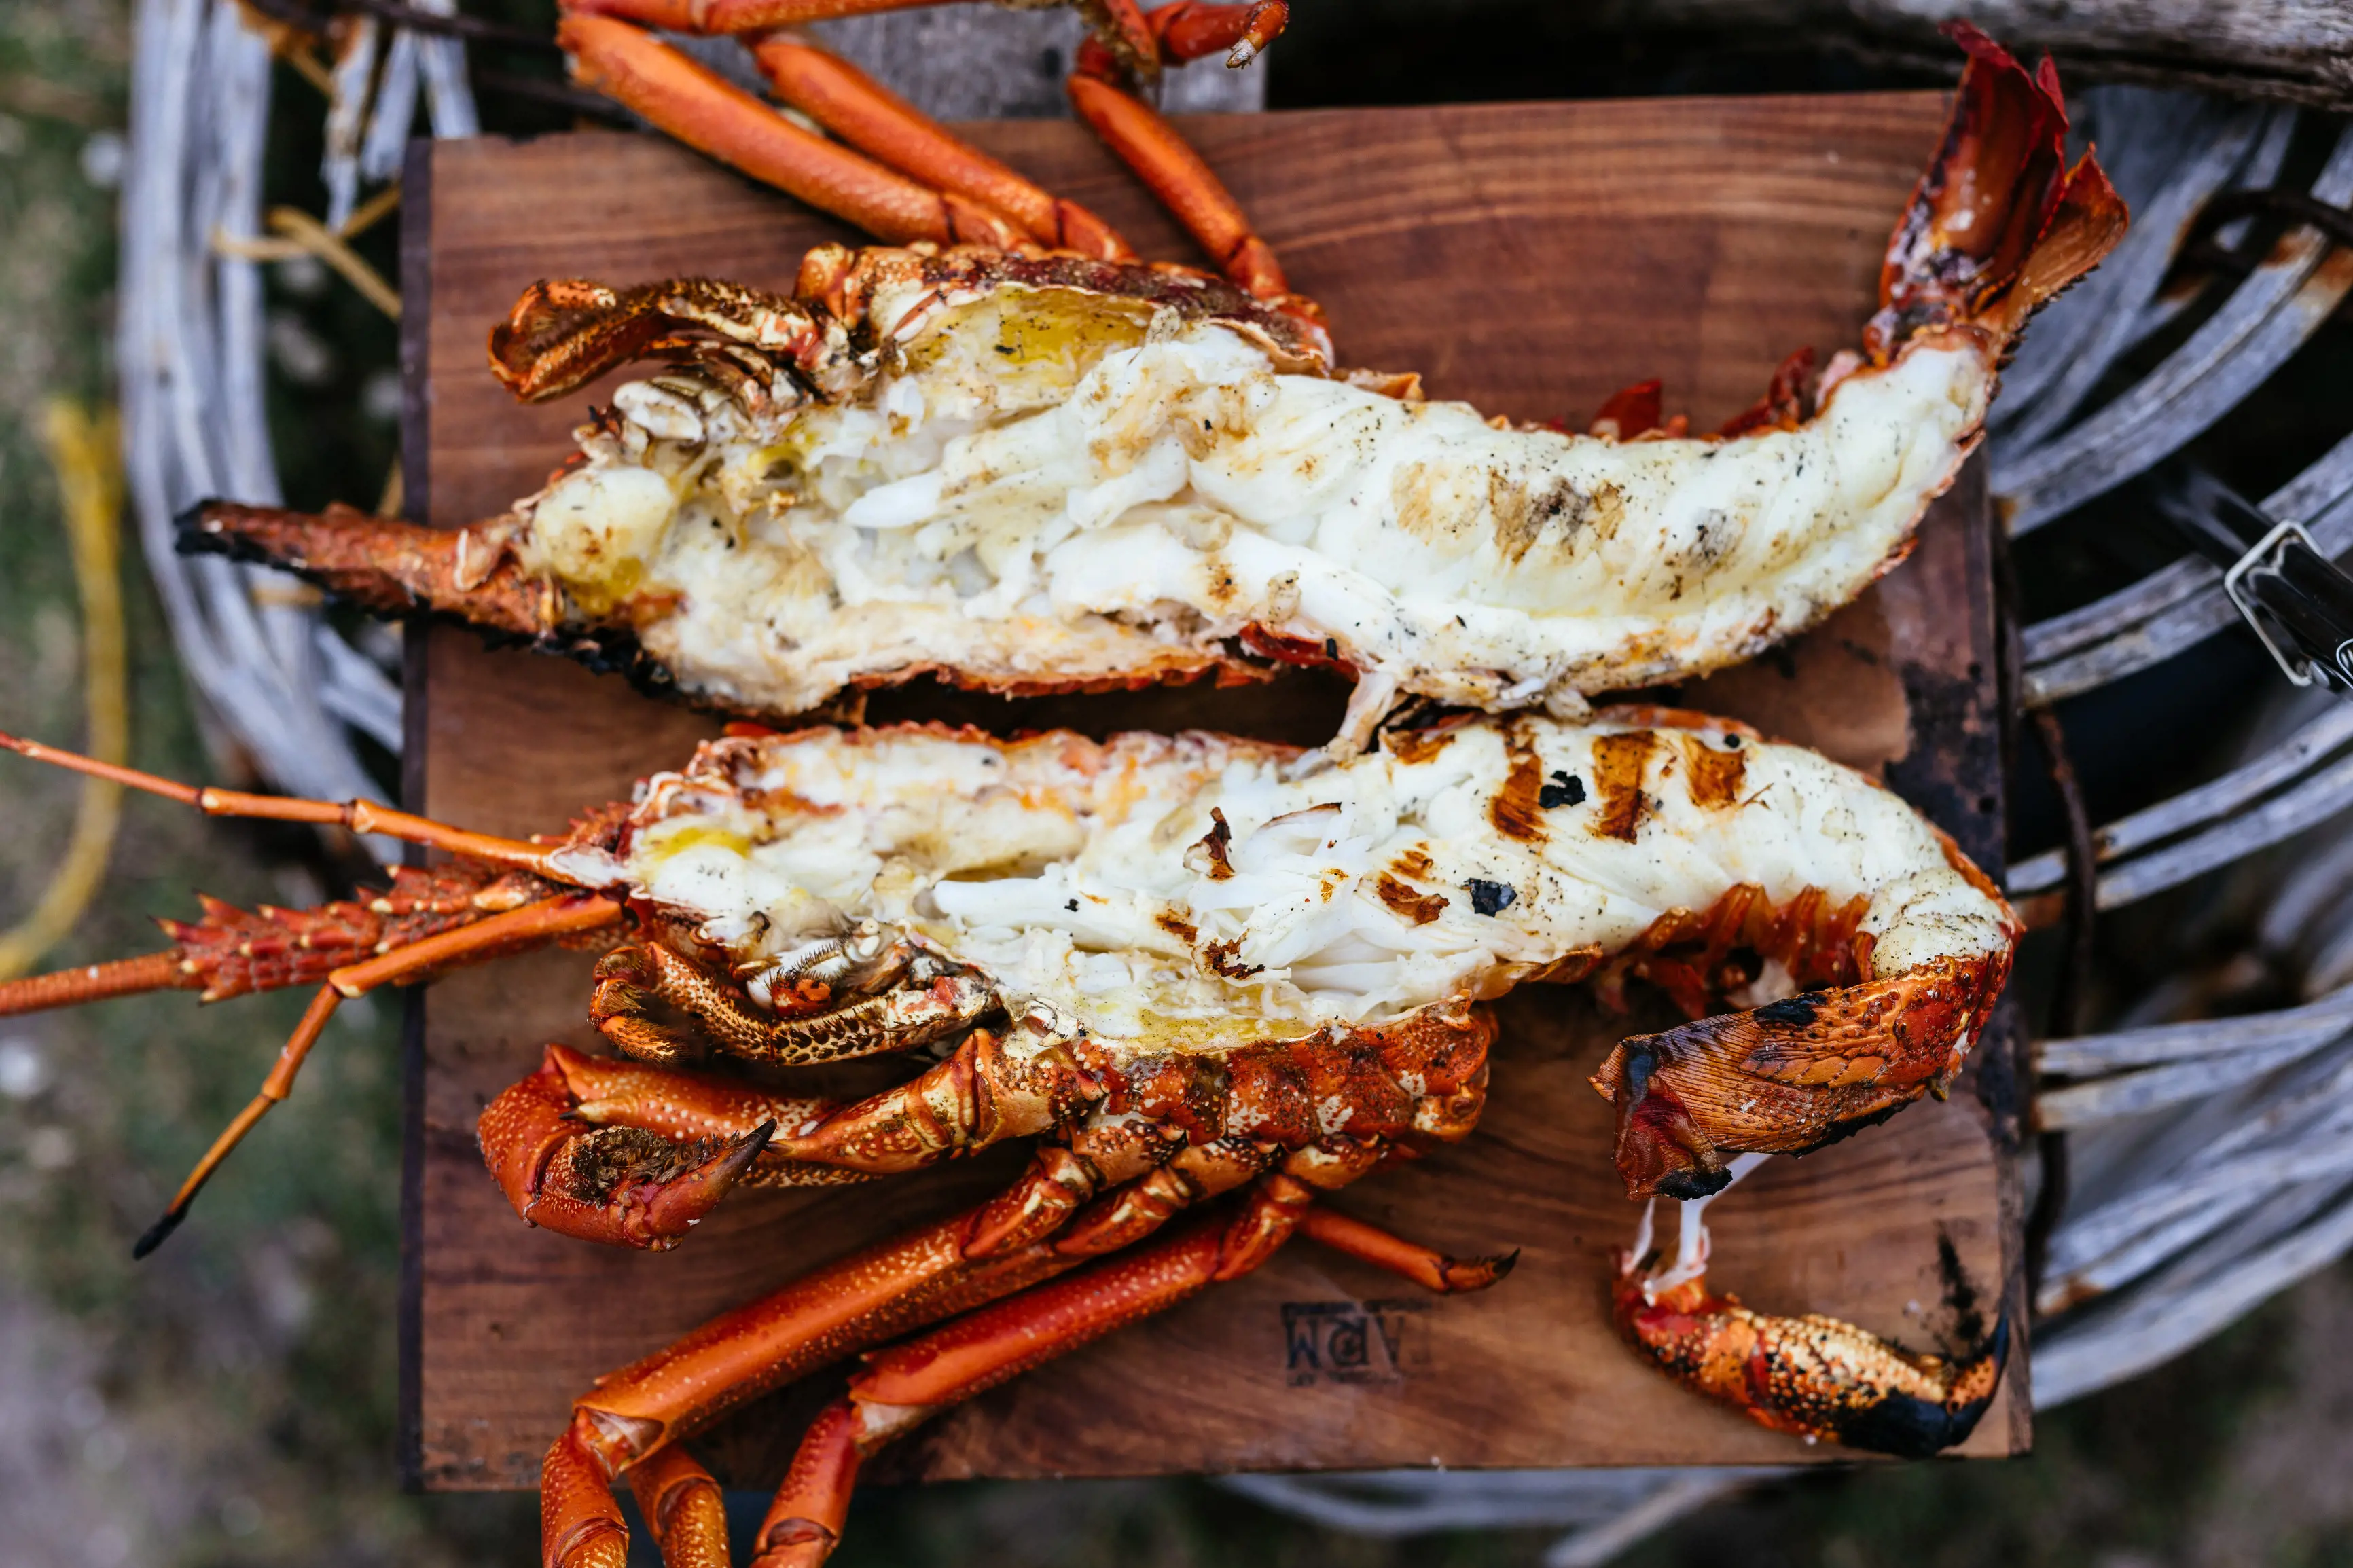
<point>1033,473</point>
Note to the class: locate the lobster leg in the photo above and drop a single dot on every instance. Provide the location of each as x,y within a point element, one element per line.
<point>684,1506</point>
<point>982,1256</point>
<point>991,1088</point>
<point>919,181</point>
<point>616,1151</point>
<point>528,926</point>
<point>359,815</point>
<point>715,117</point>
<point>1181,180</point>
<point>1816,1377</point>
<point>901,999</point>
<point>1431,1269</point>
<point>870,117</point>
<point>907,1384</point>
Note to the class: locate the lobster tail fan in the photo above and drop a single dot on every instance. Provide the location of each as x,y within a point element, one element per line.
<point>1999,223</point>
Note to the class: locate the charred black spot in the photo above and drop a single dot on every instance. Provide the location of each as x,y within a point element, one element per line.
<point>1691,1183</point>
<point>1961,1291</point>
<point>1914,1428</point>
<point>1566,789</point>
<point>1839,1132</point>
<point>1795,1011</point>
<point>1491,897</point>
<point>1906,1426</point>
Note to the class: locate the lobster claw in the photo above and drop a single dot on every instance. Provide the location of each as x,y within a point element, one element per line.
<point>626,1185</point>
<point>1817,1377</point>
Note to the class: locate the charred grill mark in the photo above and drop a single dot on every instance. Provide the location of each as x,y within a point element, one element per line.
<point>1522,516</point>
<point>1415,747</point>
<point>1207,857</point>
<point>1218,956</point>
<point>1617,764</point>
<point>1715,776</point>
<point>1516,811</point>
<point>1420,908</point>
<point>1183,931</point>
<point>1413,865</point>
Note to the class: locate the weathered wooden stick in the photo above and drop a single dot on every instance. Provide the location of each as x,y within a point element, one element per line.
<point>2296,50</point>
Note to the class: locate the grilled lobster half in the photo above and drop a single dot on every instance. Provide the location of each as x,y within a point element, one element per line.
<point>1187,965</point>
<point>1028,472</point>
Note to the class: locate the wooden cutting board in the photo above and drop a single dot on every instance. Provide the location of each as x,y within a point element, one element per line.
<point>1530,258</point>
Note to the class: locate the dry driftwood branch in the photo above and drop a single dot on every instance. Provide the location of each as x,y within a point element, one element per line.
<point>2296,50</point>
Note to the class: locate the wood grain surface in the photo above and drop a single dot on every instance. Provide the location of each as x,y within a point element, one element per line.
<point>1531,258</point>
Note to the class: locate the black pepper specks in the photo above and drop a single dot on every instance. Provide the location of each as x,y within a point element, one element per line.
<point>1566,789</point>
<point>1491,897</point>
<point>1072,906</point>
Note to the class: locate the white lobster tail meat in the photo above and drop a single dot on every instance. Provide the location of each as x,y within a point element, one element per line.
<point>1030,473</point>
<point>1195,889</point>
<point>1181,491</point>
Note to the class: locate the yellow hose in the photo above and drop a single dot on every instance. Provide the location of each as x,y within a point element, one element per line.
<point>84,450</point>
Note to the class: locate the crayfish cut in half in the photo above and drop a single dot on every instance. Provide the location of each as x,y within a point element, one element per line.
<point>1041,473</point>
<point>1197,931</point>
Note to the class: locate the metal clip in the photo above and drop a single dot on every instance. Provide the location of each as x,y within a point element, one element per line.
<point>2297,670</point>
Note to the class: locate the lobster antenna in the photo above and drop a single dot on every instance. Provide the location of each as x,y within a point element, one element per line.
<point>273,1090</point>
<point>92,983</point>
<point>563,915</point>
<point>359,815</point>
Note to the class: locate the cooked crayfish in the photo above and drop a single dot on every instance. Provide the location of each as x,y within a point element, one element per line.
<point>1025,471</point>
<point>1190,963</point>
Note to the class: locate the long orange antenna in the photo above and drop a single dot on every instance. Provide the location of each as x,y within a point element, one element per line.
<point>94,982</point>
<point>528,926</point>
<point>359,815</point>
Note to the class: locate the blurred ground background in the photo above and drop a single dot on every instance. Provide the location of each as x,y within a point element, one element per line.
<point>230,1401</point>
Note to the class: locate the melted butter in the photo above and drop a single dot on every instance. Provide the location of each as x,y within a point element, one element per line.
<point>676,839</point>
